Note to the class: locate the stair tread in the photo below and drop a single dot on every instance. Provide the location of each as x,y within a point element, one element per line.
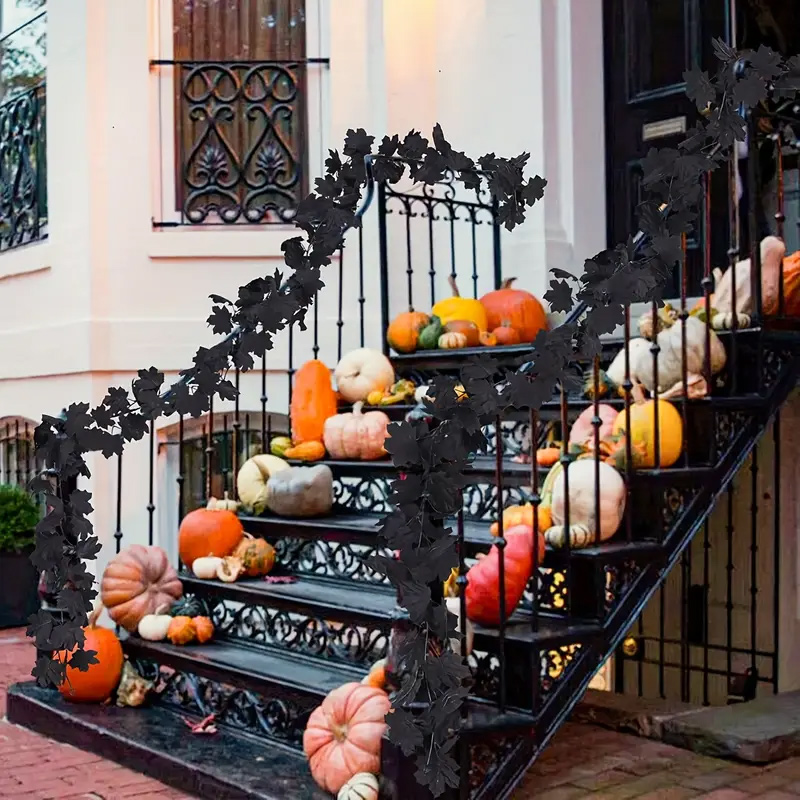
<point>475,532</point>
<point>249,666</point>
<point>155,741</point>
<point>377,603</point>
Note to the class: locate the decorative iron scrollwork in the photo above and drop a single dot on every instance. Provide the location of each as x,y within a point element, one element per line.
<point>329,559</point>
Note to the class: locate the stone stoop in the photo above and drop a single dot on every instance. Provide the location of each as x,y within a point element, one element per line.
<point>762,731</point>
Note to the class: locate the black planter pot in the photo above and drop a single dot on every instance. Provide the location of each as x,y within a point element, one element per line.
<point>19,580</point>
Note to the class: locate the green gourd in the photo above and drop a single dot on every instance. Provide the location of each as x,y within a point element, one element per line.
<point>429,335</point>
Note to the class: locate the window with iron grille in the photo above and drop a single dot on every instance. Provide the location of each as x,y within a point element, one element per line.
<point>239,105</point>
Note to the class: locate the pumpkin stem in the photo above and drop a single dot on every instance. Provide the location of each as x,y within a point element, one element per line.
<point>357,408</point>
<point>162,609</point>
<point>95,615</point>
<point>506,284</point>
<point>637,393</point>
<point>453,285</point>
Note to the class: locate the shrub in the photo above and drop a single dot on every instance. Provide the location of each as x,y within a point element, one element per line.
<point>19,515</point>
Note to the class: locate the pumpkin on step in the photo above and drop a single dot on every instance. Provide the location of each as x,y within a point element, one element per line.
<point>467,328</point>
<point>226,504</point>
<point>483,579</point>
<point>207,532</point>
<point>404,330</point>
<point>96,684</point>
<point>429,335</point>
<point>363,371</point>
<point>307,451</point>
<point>514,308</point>
<point>343,735</point>
<point>251,482</point>
<point>357,435</point>
<point>363,786</point>
<point>457,307</point>
<point>301,492</point>
<point>505,334</point>
<point>138,581</point>
<point>182,630</point>
<point>257,556</point>
<point>313,401</point>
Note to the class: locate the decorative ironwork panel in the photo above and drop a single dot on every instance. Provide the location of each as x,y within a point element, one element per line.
<point>298,633</point>
<point>329,559</point>
<point>23,173</point>
<point>240,134</point>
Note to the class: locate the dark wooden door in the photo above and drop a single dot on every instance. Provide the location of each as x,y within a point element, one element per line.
<point>648,46</point>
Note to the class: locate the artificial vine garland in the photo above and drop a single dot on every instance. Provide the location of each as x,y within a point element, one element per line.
<point>433,459</point>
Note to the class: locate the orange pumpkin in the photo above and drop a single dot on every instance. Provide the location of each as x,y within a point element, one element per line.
<point>403,333</point>
<point>522,515</point>
<point>505,334</point>
<point>204,629</point>
<point>308,451</point>
<point>357,435</point>
<point>377,675</point>
<point>469,329</point>
<point>96,684</point>
<point>791,290</point>
<point>138,581</point>
<point>257,556</point>
<point>515,308</point>
<point>343,735</point>
<point>182,630</point>
<point>208,532</point>
<point>488,339</point>
<point>313,401</point>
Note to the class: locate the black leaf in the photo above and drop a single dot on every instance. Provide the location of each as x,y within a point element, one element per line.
<point>699,88</point>
<point>83,659</point>
<point>559,296</point>
<point>404,730</point>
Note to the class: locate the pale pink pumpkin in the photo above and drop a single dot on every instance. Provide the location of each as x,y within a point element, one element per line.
<point>343,735</point>
<point>582,431</point>
<point>356,435</point>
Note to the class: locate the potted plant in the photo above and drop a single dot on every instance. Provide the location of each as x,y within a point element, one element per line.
<point>19,579</point>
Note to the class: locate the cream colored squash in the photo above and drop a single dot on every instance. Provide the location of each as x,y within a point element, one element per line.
<point>454,607</point>
<point>362,786</point>
<point>206,568</point>
<point>154,627</point>
<point>363,371</point>
<point>251,482</point>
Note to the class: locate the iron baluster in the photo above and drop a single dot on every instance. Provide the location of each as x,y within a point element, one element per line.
<point>291,370</point>
<point>409,267</point>
<point>753,556</point>
<point>596,423</point>
<point>733,255</point>
<point>210,450</point>
<point>118,531</point>
<point>151,481</point>
<point>361,298</point>
<point>225,455</point>
<point>473,237</point>
<point>204,473</point>
<point>383,246</point>
<point>339,316</point>
<point>627,386</point>
<point>181,479</point>
<point>501,545</point>
<point>263,402</point>
<point>776,547</point>
<point>315,312</point>
<point>237,425</point>
<point>683,316</point>
<point>432,266</point>
<point>496,250</point>
<point>780,216</point>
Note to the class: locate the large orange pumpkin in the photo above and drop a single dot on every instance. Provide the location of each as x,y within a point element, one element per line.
<point>313,401</point>
<point>791,290</point>
<point>403,333</point>
<point>208,532</point>
<point>515,308</point>
<point>96,684</point>
<point>343,735</point>
<point>138,581</point>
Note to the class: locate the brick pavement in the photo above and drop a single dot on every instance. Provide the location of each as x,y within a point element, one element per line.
<point>581,762</point>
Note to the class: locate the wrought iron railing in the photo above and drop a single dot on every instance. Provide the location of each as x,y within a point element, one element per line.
<point>240,142</point>
<point>23,169</point>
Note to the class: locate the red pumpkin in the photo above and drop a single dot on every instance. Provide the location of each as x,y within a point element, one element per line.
<point>505,334</point>
<point>208,532</point>
<point>515,308</point>
<point>138,581</point>
<point>96,684</point>
<point>313,401</point>
<point>483,586</point>
<point>343,735</point>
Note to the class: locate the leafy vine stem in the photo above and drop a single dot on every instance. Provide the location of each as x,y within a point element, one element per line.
<point>432,456</point>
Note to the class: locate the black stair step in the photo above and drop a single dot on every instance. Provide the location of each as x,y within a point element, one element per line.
<point>155,741</point>
<point>355,528</point>
<point>345,601</point>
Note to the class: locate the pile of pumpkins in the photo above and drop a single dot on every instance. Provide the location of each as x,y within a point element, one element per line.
<point>506,316</point>
<point>213,544</point>
<point>143,594</point>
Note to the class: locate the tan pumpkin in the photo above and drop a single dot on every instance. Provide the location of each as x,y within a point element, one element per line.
<point>363,786</point>
<point>469,329</point>
<point>251,482</point>
<point>138,581</point>
<point>452,341</point>
<point>363,371</point>
<point>356,435</point>
<point>343,735</point>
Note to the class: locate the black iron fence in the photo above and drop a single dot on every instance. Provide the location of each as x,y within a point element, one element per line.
<point>239,141</point>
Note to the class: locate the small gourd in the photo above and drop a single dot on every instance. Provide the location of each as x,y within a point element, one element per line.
<point>307,451</point>
<point>488,339</point>
<point>429,335</point>
<point>230,569</point>
<point>181,630</point>
<point>154,627</point>
<point>204,629</point>
<point>279,445</point>
<point>206,568</point>
<point>362,786</point>
<point>226,504</point>
<point>452,341</point>
<point>377,675</point>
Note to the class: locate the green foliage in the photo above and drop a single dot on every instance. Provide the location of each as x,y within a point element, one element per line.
<point>19,515</point>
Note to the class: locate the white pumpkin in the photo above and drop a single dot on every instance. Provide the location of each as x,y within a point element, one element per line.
<point>583,520</point>
<point>251,482</point>
<point>363,371</point>
<point>226,504</point>
<point>154,627</point>
<point>206,568</point>
<point>362,786</point>
<point>454,607</point>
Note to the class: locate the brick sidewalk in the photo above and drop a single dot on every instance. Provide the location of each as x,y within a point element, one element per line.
<point>582,762</point>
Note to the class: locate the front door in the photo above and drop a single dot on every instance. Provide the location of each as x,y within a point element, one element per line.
<point>648,46</point>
